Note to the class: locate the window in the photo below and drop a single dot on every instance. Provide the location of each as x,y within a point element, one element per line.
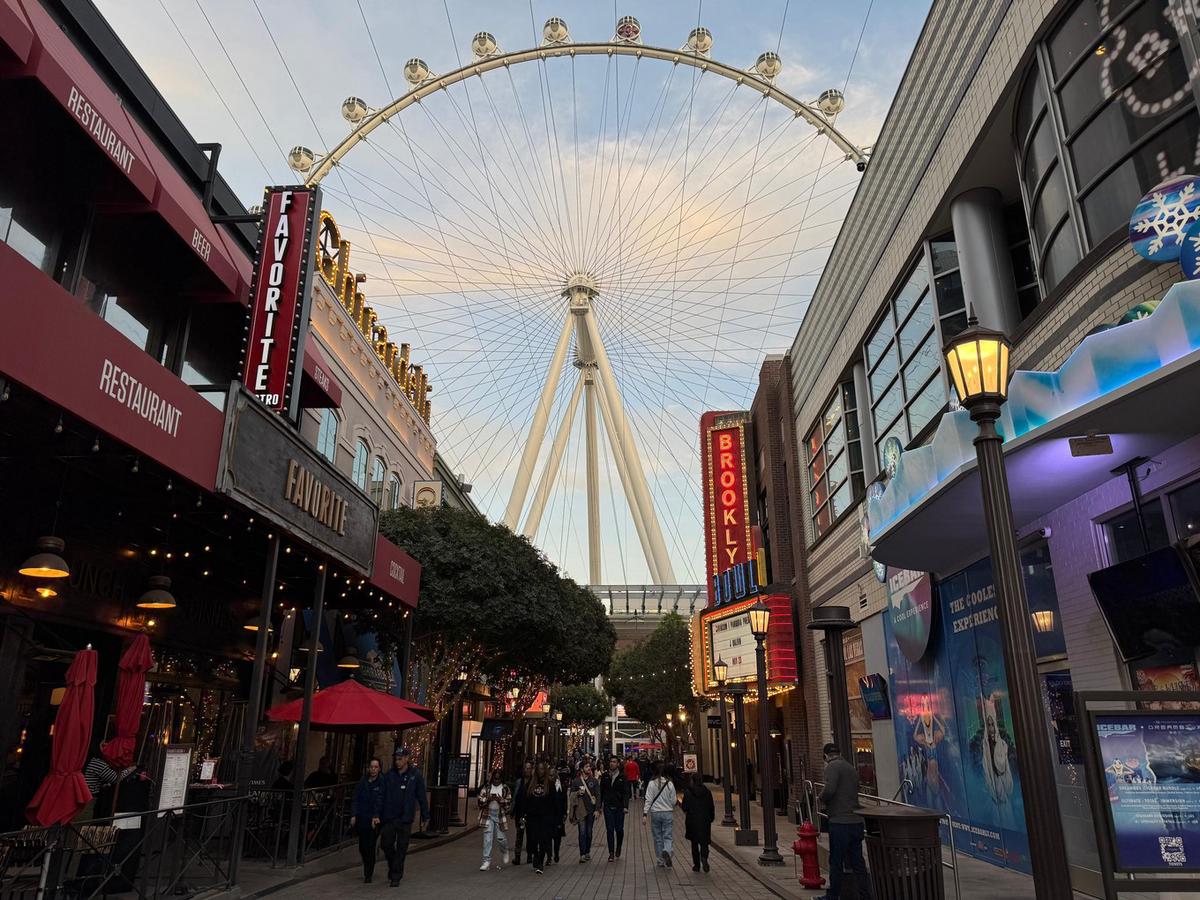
<point>378,474</point>
<point>395,491</point>
<point>359,473</point>
<point>1048,640</point>
<point>835,460</point>
<point>1124,538</point>
<point>1107,114</point>
<point>904,352</point>
<point>327,437</point>
<point>1185,510</point>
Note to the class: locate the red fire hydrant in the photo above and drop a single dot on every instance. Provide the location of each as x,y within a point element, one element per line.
<point>805,847</point>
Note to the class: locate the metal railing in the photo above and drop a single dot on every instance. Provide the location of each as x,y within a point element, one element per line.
<point>813,801</point>
<point>176,852</point>
<point>324,822</point>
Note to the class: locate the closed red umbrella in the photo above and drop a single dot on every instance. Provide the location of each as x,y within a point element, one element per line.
<point>131,689</point>
<point>349,706</point>
<point>64,793</point>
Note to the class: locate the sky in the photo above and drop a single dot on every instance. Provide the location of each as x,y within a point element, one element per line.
<point>703,211</point>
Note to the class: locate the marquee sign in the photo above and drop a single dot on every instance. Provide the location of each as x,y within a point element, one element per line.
<point>280,297</point>
<point>725,634</point>
<point>730,558</point>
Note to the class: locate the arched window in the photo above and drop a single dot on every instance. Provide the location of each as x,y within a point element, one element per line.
<point>378,473</point>
<point>327,435</point>
<point>361,454</point>
<point>394,491</point>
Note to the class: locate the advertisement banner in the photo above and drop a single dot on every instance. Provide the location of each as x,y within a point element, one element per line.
<point>910,596</point>
<point>1151,766</point>
<point>730,558</point>
<point>280,295</point>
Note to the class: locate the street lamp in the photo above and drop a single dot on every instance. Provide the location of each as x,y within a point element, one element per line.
<point>720,673</point>
<point>760,617</point>
<point>977,360</point>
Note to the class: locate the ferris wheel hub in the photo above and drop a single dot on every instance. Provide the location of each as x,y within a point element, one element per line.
<point>581,288</point>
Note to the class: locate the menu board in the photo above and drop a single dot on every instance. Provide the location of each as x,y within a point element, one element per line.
<point>176,772</point>
<point>1151,765</point>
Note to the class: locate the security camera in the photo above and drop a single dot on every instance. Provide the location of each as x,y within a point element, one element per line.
<point>861,165</point>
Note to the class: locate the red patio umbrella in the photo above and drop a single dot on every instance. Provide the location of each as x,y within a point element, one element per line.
<point>131,689</point>
<point>350,706</point>
<point>63,793</point>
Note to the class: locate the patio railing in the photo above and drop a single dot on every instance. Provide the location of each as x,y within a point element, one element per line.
<point>324,822</point>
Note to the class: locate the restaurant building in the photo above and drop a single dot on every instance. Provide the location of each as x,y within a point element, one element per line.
<point>1020,141</point>
<point>129,442</point>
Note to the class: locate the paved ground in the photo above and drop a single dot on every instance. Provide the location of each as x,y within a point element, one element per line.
<point>452,873</point>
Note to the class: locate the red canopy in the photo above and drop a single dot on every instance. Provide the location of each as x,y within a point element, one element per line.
<point>131,689</point>
<point>64,792</point>
<point>350,706</point>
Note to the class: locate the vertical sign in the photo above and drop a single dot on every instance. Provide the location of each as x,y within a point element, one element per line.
<point>732,570</point>
<point>280,297</point>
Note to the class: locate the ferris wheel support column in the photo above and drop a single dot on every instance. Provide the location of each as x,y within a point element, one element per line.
<point>618,453</point>
<point>550,472</point>
<point>537,428</point>
<point>588,377</point>
<point>641,493</point>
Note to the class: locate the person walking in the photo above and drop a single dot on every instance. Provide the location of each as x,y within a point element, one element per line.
<point>541,815</point>
<point>365,809</point>
<point>495,799</point>
<point>403,793</point>
<point>519,809</point>
<point>633,776</point>
<point>840,799</point>
<point>562,781</point>
<point>660,807</point>
<point>698,814</point>
<point>584,806</point>
<point>614,800</point>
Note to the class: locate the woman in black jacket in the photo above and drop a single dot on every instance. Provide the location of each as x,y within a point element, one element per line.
<point>368,798</point>
<point>698,814</point>
<point>541,815</point>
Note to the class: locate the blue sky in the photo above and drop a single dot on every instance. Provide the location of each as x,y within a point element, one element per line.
<point>705,213</point>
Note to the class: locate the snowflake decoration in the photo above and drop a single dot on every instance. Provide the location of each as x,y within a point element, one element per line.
<point>1189,255</point>
<point>1157,226</point>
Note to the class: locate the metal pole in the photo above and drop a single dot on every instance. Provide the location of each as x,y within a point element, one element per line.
<point>729,821</point>
<point>537,428</point>
<point>770,854</point>
<point>745,836</point>
<point>832,621</point>
<point>1043,820</point>
<point>593,477</point>
<point>310,682</point>
<point>550,473</point>
<point>254,700</point>
<point>1135,492</point>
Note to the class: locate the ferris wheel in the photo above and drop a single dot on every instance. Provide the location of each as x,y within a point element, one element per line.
<point>653,219</point>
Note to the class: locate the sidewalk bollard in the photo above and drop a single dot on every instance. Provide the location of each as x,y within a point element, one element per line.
<point>805,848</point>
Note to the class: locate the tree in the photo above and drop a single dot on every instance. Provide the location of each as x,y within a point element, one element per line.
<point>582,705</point>
<point>654,677</point>
<point>491,607</point>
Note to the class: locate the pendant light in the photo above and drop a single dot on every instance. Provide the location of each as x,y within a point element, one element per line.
<point>47,562</point>
<point>350,660</point>
<point>158,595</point>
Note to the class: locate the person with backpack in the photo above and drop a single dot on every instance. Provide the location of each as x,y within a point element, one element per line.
<point>660,808</point>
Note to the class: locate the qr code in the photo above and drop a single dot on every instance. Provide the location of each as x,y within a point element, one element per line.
<point>1172,851</point>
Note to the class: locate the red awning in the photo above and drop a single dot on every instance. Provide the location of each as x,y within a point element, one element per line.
<point>15,31</point>
<point>350,706</point>
<point>318,388</point>
<point>395,572</point>
<point>61,68</point>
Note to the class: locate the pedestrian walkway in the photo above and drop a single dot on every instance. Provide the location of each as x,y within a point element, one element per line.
<point>452,872</point>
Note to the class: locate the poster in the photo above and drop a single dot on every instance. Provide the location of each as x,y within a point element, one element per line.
<point>910,607</point>
<point>1151,766</point>
<point>1182,677</point>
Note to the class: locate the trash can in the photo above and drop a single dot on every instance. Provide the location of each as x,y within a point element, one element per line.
<point>904,851</point>
<point>441,798</point>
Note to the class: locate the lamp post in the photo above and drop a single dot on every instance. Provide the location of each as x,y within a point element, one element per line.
<point>720,673</point>
<point>744,835</point>
<point>760,617</point>
<point>977,360</point>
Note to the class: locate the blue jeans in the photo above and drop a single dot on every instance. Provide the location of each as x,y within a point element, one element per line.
<point>585,834</point>
<point>845,846</point>
<point>662,827</point>
<point>492,832</point>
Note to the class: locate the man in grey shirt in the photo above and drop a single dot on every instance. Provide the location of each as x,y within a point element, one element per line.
<point>840,800</point>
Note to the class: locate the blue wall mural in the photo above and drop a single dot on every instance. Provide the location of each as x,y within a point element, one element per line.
<point>953,724</point>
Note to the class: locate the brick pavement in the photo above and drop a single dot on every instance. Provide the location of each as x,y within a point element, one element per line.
<point>452,873</point>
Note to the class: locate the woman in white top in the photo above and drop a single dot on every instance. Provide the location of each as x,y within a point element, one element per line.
<point>660,807</point>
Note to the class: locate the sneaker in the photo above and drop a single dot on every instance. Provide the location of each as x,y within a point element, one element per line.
<point>611,857</point>
<point>658,864</point>
<point>666,856</point>
<point>505,858</point>
<point>556,857</point>
<point>394,883</point>
<point>538,871</point>
<point>485,867</point>
<point>705,864</point>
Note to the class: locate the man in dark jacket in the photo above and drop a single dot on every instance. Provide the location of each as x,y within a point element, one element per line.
<point>403,792</point>
<point>519,790</point>
<point>614,800</point>
<point>840,799</point>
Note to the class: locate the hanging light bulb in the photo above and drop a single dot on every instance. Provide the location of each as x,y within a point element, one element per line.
<point>48,561</point>
<point>158,595</point>
<point>45,592</point>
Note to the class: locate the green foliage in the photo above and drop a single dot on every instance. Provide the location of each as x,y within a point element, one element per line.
<point>582,705</point>
<point>653,677</point>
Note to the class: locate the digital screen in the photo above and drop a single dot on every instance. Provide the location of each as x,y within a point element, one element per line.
<point>1149,603</point>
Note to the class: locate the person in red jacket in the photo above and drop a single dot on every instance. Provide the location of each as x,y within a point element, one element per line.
<point>633,776</point>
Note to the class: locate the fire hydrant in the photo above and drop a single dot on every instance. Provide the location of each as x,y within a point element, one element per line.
<point>805,847</point>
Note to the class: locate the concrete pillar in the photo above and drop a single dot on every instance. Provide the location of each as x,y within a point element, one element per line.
<point>984,259</point>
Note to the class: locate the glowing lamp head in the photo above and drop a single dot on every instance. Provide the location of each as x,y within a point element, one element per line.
<point>1043,620</point>
<point>720,671</point>
<point>349,661</point>
<point>977,360</point>
<point>545,709</point>
<point>48,561</point>
<point>159,595</point>
<point>760,618</point>
<point>45,592</point>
